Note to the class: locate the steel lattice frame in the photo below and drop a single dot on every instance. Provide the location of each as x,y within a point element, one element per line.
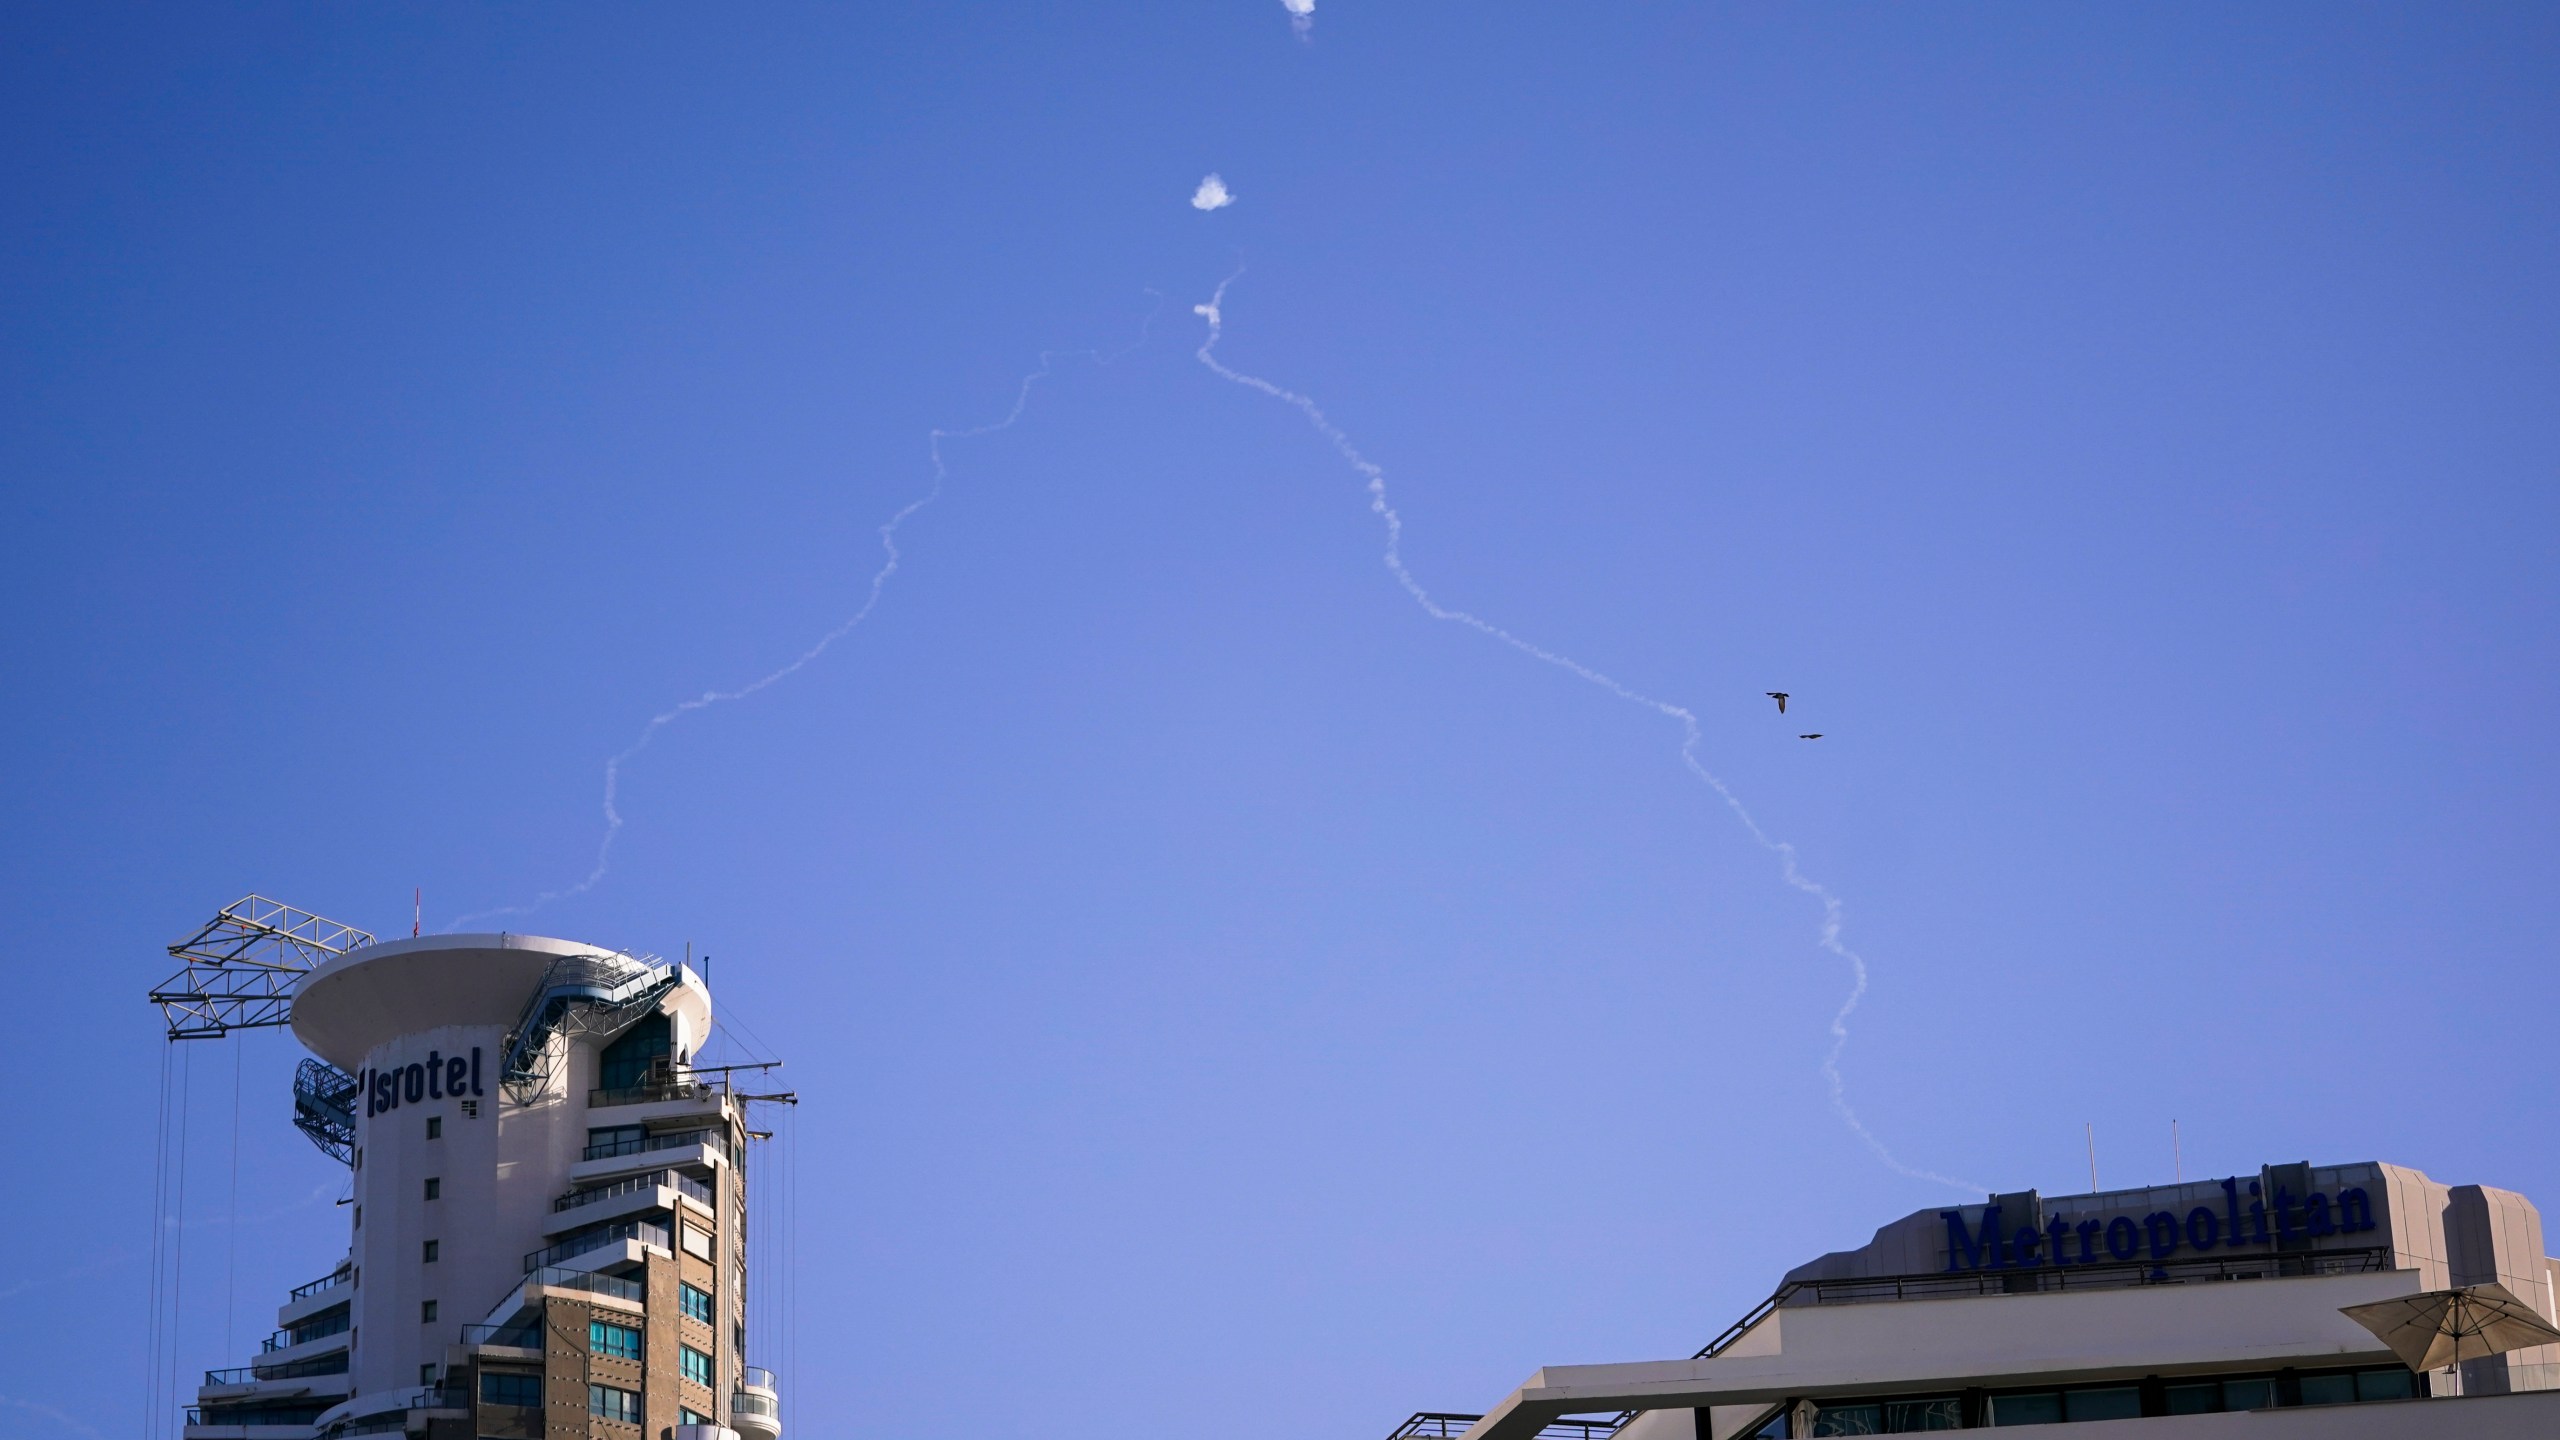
<point>241,967</point>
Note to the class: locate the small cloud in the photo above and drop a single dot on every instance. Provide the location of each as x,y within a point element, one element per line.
<point>1213,193</point>
<point>1302,15</point>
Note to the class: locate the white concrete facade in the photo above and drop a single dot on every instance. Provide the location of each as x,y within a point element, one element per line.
<point>530,1254</point>
<point>2204,1309</point>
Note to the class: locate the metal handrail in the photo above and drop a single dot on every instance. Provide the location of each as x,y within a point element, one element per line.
<point>291,1370</point>
<point>1448,1425</point>
<point>649,1091</point>
<point>330,1281</point>
<point>649,1181</point>
<point>673,1140</point>
<point>514,1336</point>
<point>318,1328</point>
<point>742,1403</point>
<point>598,1237</point>
<point>593,1281</point>
<point>2114,1275</point>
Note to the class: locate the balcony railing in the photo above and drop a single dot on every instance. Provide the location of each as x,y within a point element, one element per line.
<point>649,1090</point>
<point>245,1415</point>
<point>592,1281</point>
<point>760,1378</point>
<point>330,1281</point>
<point>334,1323</point>
<point>655,1178</point>
<point>598,1238</point>
<point>291,1370</point>
<point>520,1335</point>
<point>676,1140</point>
<point>744,1403</point>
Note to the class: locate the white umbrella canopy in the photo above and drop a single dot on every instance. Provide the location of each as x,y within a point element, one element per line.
<point>2436,1328</point>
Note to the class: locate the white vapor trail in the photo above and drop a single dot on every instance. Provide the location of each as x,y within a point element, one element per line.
<point>892,558</point>
<point>1691,735</point>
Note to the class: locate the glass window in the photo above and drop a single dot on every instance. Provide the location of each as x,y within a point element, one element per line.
<point>629,1060</point>
<point>2391,1384</point>
<point>694,1301</point>
<point>502,1389</point>
<point>2332,1389</point>
<point>2202,1399</point>
<point>691,1417</point>
<point>697,1366</point>
<point>1849,1420</point>
<point>435,1127</point>
<point>622,1342</point>
<point>614,1403</point>
<point>431,1252</point>
<point>2248,1394</point>
<point>2118,1404</point>
<point>2044,1409</point>
<point>427,1313</point>
<point>1901,1417</point>
<point>697,1242</point>
<point>435,1187</point>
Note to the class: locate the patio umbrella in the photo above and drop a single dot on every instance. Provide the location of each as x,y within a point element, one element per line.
<point>2437,1328</point>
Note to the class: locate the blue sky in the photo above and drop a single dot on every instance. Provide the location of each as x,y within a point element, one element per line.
<point>1216,989</point>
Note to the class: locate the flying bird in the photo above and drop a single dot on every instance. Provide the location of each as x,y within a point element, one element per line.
<point>1781,697</point>
<point>1816,735</point>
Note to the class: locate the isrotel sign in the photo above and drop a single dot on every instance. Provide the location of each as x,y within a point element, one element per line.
<point>437,1077</point>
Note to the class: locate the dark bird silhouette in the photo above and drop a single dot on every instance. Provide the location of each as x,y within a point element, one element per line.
<point>1816,735</point>
<point>1781,697</point>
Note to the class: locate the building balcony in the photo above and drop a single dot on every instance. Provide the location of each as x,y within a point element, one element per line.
<point>309,1300</point>
<point>755,1411</point>
<point>656,1190</point>
<point>637,1232</point>
<point>683,1149</point>
<point>325,1377</point>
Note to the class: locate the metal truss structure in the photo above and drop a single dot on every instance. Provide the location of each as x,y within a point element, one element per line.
<point>241,967</point>
<point>597,995</point>
<point>324,1108</point>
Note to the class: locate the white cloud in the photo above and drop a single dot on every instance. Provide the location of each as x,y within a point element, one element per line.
<point>1302,15</point>
<point>1213,193</point>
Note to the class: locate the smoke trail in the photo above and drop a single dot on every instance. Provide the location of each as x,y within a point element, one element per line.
<point>66,1421</point>
<point>1691,735</point>
<point>891,558</point>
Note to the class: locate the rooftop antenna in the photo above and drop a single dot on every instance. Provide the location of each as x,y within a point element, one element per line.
<point>417,911</point>
<point>2177,1157</point>
<point>2090,1130</point>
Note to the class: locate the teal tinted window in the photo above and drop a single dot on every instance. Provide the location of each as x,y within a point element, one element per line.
<point>2248,1394</point>
<point>614,1403</point>
<point>628,1060</point>
<point>2202,1399</point>
<point>497,1389</point>
<point>697,1366</point>
<point>695,1303</point>
<point>622,1342</point>
<point>2043,1409</point>
<point>2124,1404</point>
<point>2328,1389</point>
<point>2391,1384</point>
<point>691,1417</point>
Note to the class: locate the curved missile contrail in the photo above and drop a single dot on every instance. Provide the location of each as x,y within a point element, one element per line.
<point>891,558</point>
<point>1832,915</point>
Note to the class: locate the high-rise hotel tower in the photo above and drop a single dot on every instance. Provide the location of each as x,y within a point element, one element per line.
<point>547,1227</point>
